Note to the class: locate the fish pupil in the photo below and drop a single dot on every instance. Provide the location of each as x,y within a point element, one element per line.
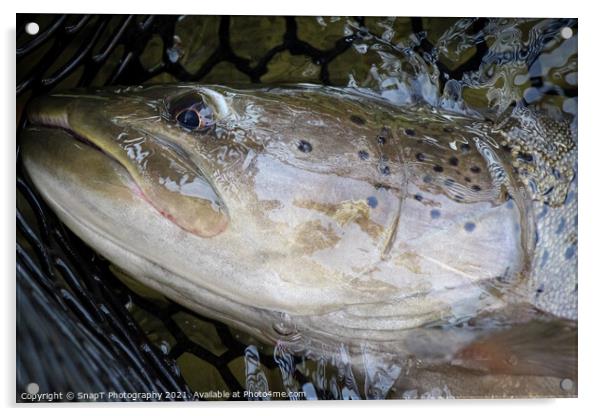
<point>189,119</point>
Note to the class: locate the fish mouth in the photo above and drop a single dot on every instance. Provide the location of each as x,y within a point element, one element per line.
<point>161,172</point>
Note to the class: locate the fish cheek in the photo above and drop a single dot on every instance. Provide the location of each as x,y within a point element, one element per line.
<point>181,193</point>
<point>167,179</point>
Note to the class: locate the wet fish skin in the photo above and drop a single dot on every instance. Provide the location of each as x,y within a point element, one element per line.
<point>301,213</point>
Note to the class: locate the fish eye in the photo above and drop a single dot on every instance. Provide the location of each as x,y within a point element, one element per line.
<point>189,119</point>
<point>191,111</point>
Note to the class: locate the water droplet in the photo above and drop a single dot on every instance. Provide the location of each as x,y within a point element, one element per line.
<point>164,347</point>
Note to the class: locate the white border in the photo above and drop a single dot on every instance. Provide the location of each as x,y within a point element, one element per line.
<point>590,157</point>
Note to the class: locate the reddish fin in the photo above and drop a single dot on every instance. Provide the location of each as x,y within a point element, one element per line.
<point>539,347</point>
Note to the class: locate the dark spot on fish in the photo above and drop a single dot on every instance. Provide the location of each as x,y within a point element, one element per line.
<point>539,291</point>
<point>526,157</point>
<point>372,201</point>
<point>505,278</point>
<point>470,226</point>
<point>475,169</point>
<point>458,198</point>
<point>385,170</point>
<point>448,182</point>
<point>357,120</point>
<point>476,188</point>
<point>560,226</point>
<point>363,155</point>
<point>410,132</point>
<point>304,146</point>
<point>544,258</point>
<point>418,197</point>
<point>384,134</point>
<point>420,157</point>
<point>427,179</point>
<point>453,161</point>
<point>570,252</point>
<point>448,129</point>
<point>435,213</point>
<point>465,148</point>
<point>467,179</point>
<point>438,168</point>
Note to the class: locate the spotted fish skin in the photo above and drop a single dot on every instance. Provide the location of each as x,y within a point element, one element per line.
<point>320,213</point>
<point>544,157</point>
<point>554,286</point>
